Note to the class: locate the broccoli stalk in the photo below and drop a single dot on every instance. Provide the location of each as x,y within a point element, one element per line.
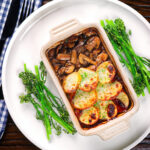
<point>119,37</point>
<point>49,108</point>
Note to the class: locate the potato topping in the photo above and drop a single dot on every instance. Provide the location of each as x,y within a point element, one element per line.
<point>71,82</point>
<point>108,91</point>
<point>123,98</point>
<point>108,109</point>
<point>89,116</point>
<point>106,72</point>
<point>83,100</point>
<point>89,79</point>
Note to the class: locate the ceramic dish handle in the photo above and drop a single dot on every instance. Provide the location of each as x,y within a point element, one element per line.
<point>64,29</point>
<point>114,130</point>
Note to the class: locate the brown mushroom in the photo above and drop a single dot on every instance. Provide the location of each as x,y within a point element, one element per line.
<point>59,47</point>
<point>62,62</point>
<point>56,67</point>
<point>78,65</point>
<point>69,69</point>
<point>96,52</point>
<point>92,43</point>
<point>68,63</point>
<point>55,61</point>
<point>83,58</point>
<point>61,70</point>
<point>51,53</point>
<point>71,41</point>
<point>61,56</point>
<point>80,49</point>
<point>101,57</point>
<point>74,57</point>
<point>90,32</point>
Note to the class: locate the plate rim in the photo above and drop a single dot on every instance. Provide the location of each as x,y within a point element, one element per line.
<point>30,18</point>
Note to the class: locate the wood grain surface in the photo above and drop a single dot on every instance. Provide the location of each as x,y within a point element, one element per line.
<point>13,139</point>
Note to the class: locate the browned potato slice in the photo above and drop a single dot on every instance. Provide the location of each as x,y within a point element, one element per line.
<point>108,110</point>
<point>106,72</point>
<point>89,79</point>
<point>83,100</point>
<point>123,98</point>
<point>71,82</point>
<point>89,116</point>
<point>108,91</point>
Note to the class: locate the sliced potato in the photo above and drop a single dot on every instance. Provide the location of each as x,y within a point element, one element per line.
<point>106,72</point>
<point>108,110</point>
<point>89,79</point>
<point>89,116</point>
<point>123,98</point>
<point>83,100</point>
<point>108,91</point>
<point>71,82</point>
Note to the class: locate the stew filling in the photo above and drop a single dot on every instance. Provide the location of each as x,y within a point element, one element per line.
<point>89,78</point>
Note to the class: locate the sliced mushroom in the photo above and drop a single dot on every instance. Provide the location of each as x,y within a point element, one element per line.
<point>74,57</point>
<point>55,61</point>
<point>62,62</point>
<point>101,57</point>
<point>51,53</point>
<point>90,32</point>
<point>92,43</point>
<point>61,70</point>
<point>59,47</point>
<point>78,65</point>
<point>63,56</point>
<point>56,67</point>
<point>80,49</point>
<point>69,69</point>
<point>83,58</point>
<point>96,52</point>
<point>71,41</point>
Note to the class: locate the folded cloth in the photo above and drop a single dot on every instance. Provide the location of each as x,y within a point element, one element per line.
<point>4,10</point>
<point>3,117</point>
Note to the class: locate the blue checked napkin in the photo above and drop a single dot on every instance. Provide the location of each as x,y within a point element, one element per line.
<point>4,9</point>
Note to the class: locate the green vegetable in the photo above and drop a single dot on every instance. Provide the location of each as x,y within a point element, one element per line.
<point>119,37</point>
<point>49,108</point>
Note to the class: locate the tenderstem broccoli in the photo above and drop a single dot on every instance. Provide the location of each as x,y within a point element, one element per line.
<point>49,108</point>
<point>138,66</point>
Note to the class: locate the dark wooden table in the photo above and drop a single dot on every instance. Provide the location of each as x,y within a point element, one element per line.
<point>14,139</point>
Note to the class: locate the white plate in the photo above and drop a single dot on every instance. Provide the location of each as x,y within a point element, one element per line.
<point>25,48</point>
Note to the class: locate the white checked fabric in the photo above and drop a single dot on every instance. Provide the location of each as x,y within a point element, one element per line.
<point>4,9</point>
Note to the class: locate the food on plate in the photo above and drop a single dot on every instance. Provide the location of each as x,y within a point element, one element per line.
<point>71,82</point>
<point>83,100</point>
<point>108,110</point>
<point>123,98</point>
<point>49,108</point>
<point>89,116</point>
<point>106,72</point>
<point>138,66</point>
<point>108,91</point>
<point>90,78</point>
